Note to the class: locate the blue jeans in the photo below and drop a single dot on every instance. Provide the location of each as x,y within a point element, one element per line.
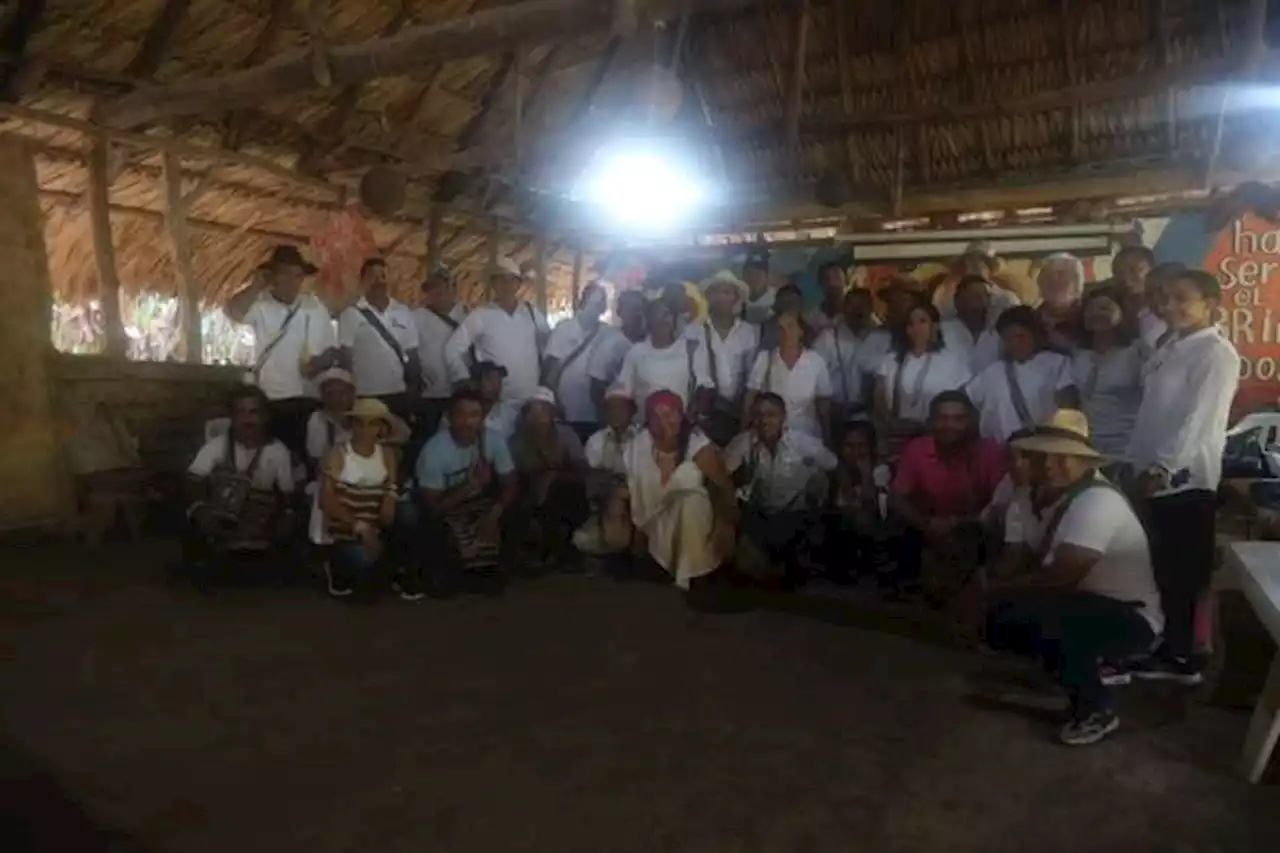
<point>352,565</point>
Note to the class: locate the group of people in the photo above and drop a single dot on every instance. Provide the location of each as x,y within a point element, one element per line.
<point>1058,461</point>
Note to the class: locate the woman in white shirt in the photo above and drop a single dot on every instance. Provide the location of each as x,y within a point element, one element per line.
<point>1029,383</point>
<point>1107,372</point>
<point>798,375</point>
<point>666,361</point>
<point>919,369</point>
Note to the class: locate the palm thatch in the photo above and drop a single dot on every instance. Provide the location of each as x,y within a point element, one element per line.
<point>808,109</point>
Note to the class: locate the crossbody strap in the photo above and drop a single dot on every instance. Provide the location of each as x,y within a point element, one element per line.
<point>578,350</point>
<point>389,339</point>
<point>917,387</point>
<point>445,318</point>
<point>1016,396</point>
<point>691,346</point>
<point>711,356</point>
<point>1064,504</point>
<point>229,458</point>
<point>261,360</point>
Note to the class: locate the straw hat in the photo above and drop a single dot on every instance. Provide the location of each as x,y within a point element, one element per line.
<point>902,282</point>
<point>1065,433</point>
<point>725,278</point>
<point>372,409</point>
<point>542,394</point>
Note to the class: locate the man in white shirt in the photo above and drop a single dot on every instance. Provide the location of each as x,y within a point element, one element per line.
<point>568,355</point>
<point>1176,447</point>
<point>508,332</point>
<point>730,344</point>
<point>979,260</point>
<point>236,487</point>
<point>852,350</point>
<point>1077,586</point>
<point>972,331</point>
<point>379,340</point>
<point>760,296</point>
<point>293,341</point>
<point>436,320</point>
<point>604,365</point>
<point>781,476</point>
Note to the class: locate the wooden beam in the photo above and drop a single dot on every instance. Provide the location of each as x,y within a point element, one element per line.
<point>577,276</point>
<point>846,86</point>
<point>154,44</point>
<point>766,39</point>
<point>13,46</point>
<point>433,238</point>
<point>502,29</point>
<point>175,217</point>
<point>975,96</point>
<point>1163,32</point>
<point>263,46</point>
<point>104,252</point>
<point>795,90</point>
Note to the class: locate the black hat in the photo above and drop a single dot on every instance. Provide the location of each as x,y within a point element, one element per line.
<point>757,257</point>
<point>292,257</point>
<point>480,368</point>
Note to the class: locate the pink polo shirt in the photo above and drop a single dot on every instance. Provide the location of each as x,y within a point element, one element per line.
<point>955,487</point>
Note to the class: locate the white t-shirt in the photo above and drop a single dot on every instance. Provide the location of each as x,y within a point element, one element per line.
<point>733,354</point>
<point>1110,386</point>
<point>274,470</point>
<point>511,340</point>
<point>1101,520</point>
<point>375,366</point>
<point>433,332</point>
<point>1040,378</point>
<point>923,378</point>
<point>319,430</point>
<point>980,351</point>
<point>1150,327</point>
<point>604,450</point>
<point>310,333</point>
<point>574,388</point>
<point>1000,300</point>
<point>647,369</point>
<point>850,360</point>
<point>800,386</point>
<point>779,478</point>
<point>606,358</point>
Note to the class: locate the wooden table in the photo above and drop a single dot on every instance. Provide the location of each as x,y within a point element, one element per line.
<point>1257,569</point>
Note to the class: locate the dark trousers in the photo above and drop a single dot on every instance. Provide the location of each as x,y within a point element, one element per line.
<point>441,569</point>
<point>549,526</point>
<point>354,566</point>
<point>955,567</point>
<point>1181,528</point>
<point>207,563</point>
<point>1069,631</point>
<point>289,423</point>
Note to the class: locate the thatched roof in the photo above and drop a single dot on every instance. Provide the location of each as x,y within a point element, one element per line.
<point>802,109</point>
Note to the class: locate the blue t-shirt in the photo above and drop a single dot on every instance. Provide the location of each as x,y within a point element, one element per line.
<point>442,464</point>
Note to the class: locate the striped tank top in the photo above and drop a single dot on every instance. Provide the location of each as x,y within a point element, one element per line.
<point>361,487</point>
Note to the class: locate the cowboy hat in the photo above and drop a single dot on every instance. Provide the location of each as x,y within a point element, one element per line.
<point>725,278</point>
<point>373,409</point>
<point>1065,433</point>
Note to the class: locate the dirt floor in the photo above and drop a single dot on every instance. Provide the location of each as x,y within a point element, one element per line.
<point>575,714</point>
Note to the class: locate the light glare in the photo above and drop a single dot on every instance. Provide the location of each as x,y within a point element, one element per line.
<point>641,189</point>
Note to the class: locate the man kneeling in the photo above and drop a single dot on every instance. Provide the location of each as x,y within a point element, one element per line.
<point>1075,584</point>
<point>236,513</point>
<point>780,475</point>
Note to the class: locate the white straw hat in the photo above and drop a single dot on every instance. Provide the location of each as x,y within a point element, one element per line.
<point>1065,433</point>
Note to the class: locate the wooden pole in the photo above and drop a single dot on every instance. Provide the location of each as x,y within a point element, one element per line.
<point>540,271</point>
<point>175,219</point>
<point>795,91</point>
<point>491,264</point>
<point>104,249</point>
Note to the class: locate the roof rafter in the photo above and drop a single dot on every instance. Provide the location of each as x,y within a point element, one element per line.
<point>13,46</point>
<point>156,42</point>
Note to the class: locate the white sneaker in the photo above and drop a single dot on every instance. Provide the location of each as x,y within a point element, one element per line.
<point>337,590</point>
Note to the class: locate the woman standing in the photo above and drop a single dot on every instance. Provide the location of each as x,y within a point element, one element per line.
<point>1107,372</point>
<point>666,361</point>
<point>798,375</point>
<point>1029,383</point>
<point>919,369</point>
<point>682,500</point>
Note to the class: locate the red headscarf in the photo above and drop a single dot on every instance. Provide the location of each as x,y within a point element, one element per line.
<point>661,398</point>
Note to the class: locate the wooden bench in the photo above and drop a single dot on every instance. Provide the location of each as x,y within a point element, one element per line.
<point>1257,569</point>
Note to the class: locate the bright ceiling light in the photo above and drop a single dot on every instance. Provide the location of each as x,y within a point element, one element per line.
<point>641,187</point>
